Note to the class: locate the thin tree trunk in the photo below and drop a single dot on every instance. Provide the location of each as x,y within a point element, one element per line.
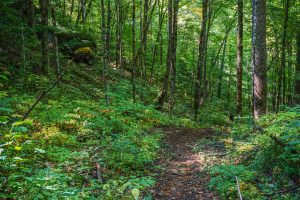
<point>281,76</point>
<point>133,51</point>
<point>174,48</point>
<point>89,8</point>
<point>259,58</point>
<point>221,70</point>
<point>239,69</point>
<point>106,45</point>
<point>161,19</point>
<point>83,14</point>
<point>71,10</point>
<point>44,23</point>
<point>209,23</point>
<point>118,33</point>
<point>31,14</point>
<point>55,44</point>
<point>201,58</point>
<point>163,95</point>
<point>297,79</point>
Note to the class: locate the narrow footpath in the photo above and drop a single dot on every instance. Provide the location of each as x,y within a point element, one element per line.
<point>182,176</point>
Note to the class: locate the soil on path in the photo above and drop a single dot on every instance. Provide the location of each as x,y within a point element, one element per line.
<point>183,176</point>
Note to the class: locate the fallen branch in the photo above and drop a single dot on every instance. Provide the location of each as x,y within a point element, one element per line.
<point>41,96</point>
<point>238,187</point>
<point>281,143</point>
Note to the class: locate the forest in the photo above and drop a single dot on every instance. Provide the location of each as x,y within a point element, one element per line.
<point>150,99</point>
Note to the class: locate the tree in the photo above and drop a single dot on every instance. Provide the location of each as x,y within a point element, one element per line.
<point>259,58</point>
<point>44,22</point>
<point>106,22</point>
<point>297,79</point>
<point>201,61</point>
<point>281,75</point>
<point>171,53</point>
<point>239,69</point>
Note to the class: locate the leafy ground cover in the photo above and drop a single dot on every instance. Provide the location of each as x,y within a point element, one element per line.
<point>264,157</point>
<point>74,147</point>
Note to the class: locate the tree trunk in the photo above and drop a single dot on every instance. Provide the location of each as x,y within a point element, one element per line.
<point>174,47</point>
<point>105,25</point>
<point>221,70</point>
<point>31,13</point>
<point>259,57</point>
<point>71,10</point>
<point>163,95</point>
<point>133,52</point>
<point>118,34</point>
<point>239,69</point>
<point>55,45</point>
<point>44,23</point>
<point>201,61</point>
<point>297,79</point>
<point>281,76</point>
<point>83,14</point>
<point>160,24</point>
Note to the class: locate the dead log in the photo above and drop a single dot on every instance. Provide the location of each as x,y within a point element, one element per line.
<point>40,97</point>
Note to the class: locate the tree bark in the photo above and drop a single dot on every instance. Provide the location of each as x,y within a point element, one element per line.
<point>71,10</point>
<point>259,58</point>
<point>281,75</point>
<point>133,51</point>
<point>239,69</point>
<point>221,70</point>
<point>297,79</point>
<point>201,61</point>
<point>118,33</point>
<point>105,25</point>
<point>171,55</point>
<point>174,48</point>
<point>44,23</point>
<point>55,44</point>
<point>31,13</point>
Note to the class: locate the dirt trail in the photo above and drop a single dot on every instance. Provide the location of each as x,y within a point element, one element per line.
<point>182,177</point>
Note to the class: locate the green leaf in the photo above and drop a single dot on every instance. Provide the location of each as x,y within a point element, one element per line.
<point>135,193</point>
<point>18,148</point>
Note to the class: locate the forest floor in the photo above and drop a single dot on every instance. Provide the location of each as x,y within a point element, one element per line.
<point>183,170</point>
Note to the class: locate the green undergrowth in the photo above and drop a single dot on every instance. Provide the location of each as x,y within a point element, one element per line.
<point>71,137</point>
<point>264,157</point>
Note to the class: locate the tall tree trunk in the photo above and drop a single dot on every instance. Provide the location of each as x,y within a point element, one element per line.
<point>44,23</point>
<point>297,79</point>
<point>221,70</point>
<point>174,48</point>
<point>106,22</point>
<point>133,51</point>
<point>31,13</point>
<point>209,23</point>
<point>83,12</point>
<point>281,76</point>
<point>201,61</point>
<point>71,10</point>
<point>89,8</point>
<point>118,33</point>
<point>163,95</point>
<point>171,56</point>
<point>239,69</point>
<point>55,44</point>
<point>160,24</point>
<point>259,58</point>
